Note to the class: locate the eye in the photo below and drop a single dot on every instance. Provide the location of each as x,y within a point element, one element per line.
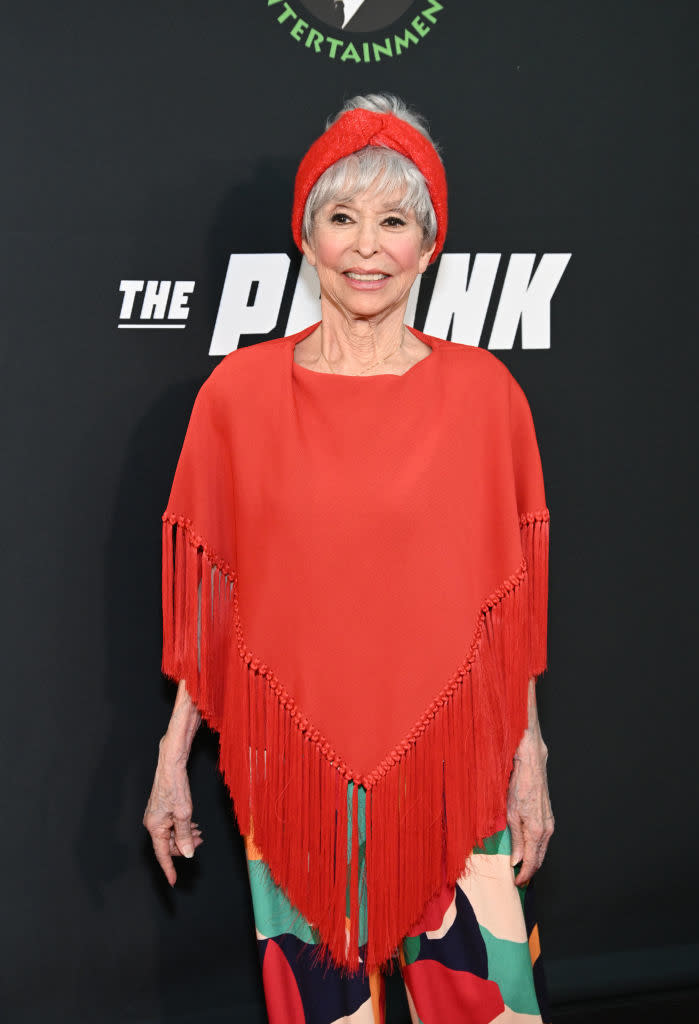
<point>394,222</point>
<point>339,218</point>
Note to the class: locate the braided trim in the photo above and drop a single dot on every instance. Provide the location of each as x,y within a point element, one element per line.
<point>527,518</point>
<point>198,542</point>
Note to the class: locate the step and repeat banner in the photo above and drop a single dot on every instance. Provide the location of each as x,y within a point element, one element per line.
<point>148,165</point>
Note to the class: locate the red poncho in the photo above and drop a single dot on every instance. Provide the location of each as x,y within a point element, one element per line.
<point>355,589</point>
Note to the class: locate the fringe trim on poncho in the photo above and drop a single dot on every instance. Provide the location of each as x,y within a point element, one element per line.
<point>429,802</point>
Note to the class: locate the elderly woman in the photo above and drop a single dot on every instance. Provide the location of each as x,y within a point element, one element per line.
<point>355,562</point>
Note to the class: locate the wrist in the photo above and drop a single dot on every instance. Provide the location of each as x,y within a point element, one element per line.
<point>531,747</point>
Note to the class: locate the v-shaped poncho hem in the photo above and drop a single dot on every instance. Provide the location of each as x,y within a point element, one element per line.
<point>355,591</point>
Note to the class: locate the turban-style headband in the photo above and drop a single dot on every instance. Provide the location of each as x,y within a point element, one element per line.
<point>352,132</point>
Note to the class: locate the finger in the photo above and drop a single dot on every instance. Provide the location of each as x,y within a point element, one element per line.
<point>544,843</point>
<point>530,858</point>
<point>517,841</point>
<point>196,835</point>
<point>527,870</point>
<point>161,848</point>
<point>175,852</point>
<point>541,850</point>
<point>183,836</point>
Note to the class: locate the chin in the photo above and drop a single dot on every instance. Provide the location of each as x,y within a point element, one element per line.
<point>367,303</point>
<point>368,309</point>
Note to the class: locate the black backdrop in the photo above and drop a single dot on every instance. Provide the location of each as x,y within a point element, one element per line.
<point>148,142</point>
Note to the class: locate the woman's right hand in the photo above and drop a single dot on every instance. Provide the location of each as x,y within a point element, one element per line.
<point>168,816</point>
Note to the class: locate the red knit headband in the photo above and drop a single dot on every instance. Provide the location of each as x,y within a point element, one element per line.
<point>357,129</point>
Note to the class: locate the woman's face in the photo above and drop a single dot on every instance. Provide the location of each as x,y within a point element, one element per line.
<point>367,253</point>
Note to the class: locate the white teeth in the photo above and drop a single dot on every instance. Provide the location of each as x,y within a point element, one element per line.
<point>366,277</point>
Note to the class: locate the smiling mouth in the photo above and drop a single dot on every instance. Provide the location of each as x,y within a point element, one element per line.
<point>365,277</point>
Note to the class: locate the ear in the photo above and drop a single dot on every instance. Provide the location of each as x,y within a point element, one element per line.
<point>426,256</point>
<point>308,251</point>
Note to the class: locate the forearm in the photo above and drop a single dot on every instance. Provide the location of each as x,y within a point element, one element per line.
<point>532,742</point>
<point>184,722</point>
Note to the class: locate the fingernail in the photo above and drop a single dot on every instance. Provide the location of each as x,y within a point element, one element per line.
<point>188,854</point>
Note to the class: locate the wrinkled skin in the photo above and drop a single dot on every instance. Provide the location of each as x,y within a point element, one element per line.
<point>529,813</point>
<point>168,816</point>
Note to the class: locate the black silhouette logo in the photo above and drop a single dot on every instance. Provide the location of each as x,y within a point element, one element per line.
<point>358,15</point>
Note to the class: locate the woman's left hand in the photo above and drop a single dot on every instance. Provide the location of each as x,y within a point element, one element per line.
<point>529,813</point>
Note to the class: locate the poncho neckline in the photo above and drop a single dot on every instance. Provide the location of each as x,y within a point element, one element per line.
<point>295,339</point>
<point>355,591</point>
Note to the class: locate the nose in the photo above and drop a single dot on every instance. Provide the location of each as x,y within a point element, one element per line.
<point>367,239</point>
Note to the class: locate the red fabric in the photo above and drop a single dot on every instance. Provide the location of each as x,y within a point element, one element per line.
<point>354,588</point>
<point>441,994</point>
<point>433,914</point>
<point>352,132</point>
<point>282,996</point>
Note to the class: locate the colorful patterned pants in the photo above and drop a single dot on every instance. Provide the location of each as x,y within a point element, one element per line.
<point>473,957</point>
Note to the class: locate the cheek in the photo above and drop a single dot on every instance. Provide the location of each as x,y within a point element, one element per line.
<point>328,252</point>
<point>407,253</point>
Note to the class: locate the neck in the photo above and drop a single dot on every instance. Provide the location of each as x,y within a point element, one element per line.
<point>353,344</point>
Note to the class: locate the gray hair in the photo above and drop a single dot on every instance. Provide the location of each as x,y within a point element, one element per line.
<point>376,166</point>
